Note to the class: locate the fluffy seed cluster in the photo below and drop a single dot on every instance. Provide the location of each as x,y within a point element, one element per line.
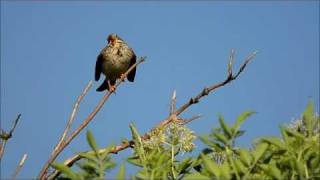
<point>174,134</point>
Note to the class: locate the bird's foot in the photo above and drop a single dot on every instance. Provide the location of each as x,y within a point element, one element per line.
<point>111,87</point>
<point>122,77</point>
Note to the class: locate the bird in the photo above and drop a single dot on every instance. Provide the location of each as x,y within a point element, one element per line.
<point>113,61</point>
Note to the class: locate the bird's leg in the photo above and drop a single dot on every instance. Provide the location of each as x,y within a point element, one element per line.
<point>111,87</point>
<point>122,77</point>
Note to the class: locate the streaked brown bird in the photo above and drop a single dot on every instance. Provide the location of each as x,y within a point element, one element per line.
<point>113,61</point>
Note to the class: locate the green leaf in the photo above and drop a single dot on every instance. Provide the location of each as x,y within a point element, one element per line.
<point>92,141</point>
<point>241,118</point>
<point>245,156</point>
<point>295,134</point>
<point>138,145</point>
<point>89,165</point>
<point>184,165</point>
<point>205,140</point>
<point>222,138</point>
<point>308,117</point>
<point>275,172</point>
<point>225,171</point>
<point>314,162</point>
<point>271,170</point>
<point>143,175</point>
<point>239,133</point>
<point>197,176</point>
<point>135,161</point>
<point>259,151</point>
<point>300,169</point>
<point>284,134</point>
<point>274,141</point>
<point>239,166</point>
<point>121,173</point>
<point>160,159</point>
<point>211,166</point>
<point>225,128</point>
<point>89,156</point>
<point>65,170</point>
<point>108,165</point>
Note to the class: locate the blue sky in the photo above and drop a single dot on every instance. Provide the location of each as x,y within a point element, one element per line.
<point>49,49</point>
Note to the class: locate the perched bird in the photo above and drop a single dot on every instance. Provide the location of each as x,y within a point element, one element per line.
<point>113,61</point>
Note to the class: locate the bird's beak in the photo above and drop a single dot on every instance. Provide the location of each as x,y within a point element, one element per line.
<point>111,42</point>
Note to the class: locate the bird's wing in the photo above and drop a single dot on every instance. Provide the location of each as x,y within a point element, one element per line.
<point>132,74</point>
<point>98,67</point>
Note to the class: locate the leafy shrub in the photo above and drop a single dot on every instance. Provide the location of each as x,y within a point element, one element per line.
<point>294,155</point>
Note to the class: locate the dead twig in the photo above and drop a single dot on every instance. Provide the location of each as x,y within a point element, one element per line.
<point>186,121</point>
<point>173,102</point>
<point>195,99</point>
<point>43,172</point>
<point>72,116</point>
<point>6,136</point>
<point>173,112</point>
<point>21,163</point>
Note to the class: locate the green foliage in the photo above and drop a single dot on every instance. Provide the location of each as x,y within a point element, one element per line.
<point>121,173</point>
<point>294,155</point>
<point>93,165</point>
<point>157,161</point>
<point>174,134</point>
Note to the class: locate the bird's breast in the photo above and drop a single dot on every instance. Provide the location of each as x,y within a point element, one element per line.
<point>116,62</point>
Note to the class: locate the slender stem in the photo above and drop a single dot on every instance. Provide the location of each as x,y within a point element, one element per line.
<point>6,136</point>
<point>44,170</point>
<point>172,162</point>
<point>172,116</point>
<point>2,147</point>
<point>20,165</point>
<point>173,102</point>
<point>72,116</point>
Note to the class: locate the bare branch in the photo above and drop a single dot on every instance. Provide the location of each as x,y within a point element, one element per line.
<point>186,121</point>
<point>6,136</point>
<point>230,64</point>
<point>173,102</point>
<point>192,101</point>
<point>20,165</point>
<point>249,58</point>
<point>43,172</point>
<point>3,144</point>
<point>72,116</point>
<point>206,91</point>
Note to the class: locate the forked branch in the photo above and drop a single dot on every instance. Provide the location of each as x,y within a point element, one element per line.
<point>66,140</point>
<point>6,136</point>
<point>20,165</point>
<point>176,112</point>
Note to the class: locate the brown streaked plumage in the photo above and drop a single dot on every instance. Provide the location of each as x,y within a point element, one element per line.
<point>113,61</point>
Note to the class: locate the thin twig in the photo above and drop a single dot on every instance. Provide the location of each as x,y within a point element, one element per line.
<point>206,91</point>
<point>43,172</point>
<point>72,116</point>
<point>6,136</point>
<point>3,144</point>
<point>186,121</point>
<point>21,163</point>
<point>194,100</point>
<point>173,102</point>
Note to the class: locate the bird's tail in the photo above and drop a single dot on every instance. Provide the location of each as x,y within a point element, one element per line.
<point>105,85</point>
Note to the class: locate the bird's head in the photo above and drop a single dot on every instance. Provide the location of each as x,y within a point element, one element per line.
<point>113,39</point>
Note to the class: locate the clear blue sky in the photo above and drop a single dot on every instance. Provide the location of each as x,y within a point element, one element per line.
<point>49,49</point>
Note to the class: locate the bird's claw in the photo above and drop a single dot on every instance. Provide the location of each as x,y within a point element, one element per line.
<point>111,87</point>
<point>122,77</point>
